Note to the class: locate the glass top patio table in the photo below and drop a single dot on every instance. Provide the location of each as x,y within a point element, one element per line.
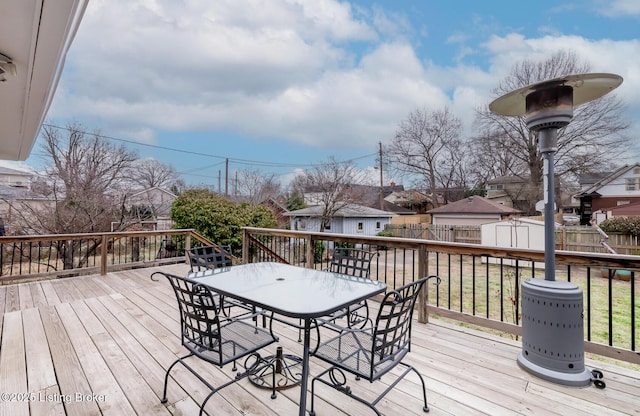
<point>291,291</point>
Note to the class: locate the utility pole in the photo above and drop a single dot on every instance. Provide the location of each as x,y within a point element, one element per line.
<point>226,178</point>
<point>381,181</point>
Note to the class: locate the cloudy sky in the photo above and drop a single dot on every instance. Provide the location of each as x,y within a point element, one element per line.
<point>280,85</point>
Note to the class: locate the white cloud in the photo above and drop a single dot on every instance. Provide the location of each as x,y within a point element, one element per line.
<point>617,8</point>
<point>320,72</point>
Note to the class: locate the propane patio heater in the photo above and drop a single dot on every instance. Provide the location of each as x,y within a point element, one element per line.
<point>552,323</point>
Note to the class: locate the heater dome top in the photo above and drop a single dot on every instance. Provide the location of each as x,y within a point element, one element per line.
<point>586,87</point>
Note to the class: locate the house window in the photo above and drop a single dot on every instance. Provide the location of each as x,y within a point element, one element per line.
<point>327,225</point>
<point>377,225</point>
<point>632,184</point>
<point>303,225</point>
<point>496,187</point>
<point>618,203</point>
<point>360,226</point>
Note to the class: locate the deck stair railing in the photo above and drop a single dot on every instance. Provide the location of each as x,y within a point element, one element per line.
<point>58,255</point>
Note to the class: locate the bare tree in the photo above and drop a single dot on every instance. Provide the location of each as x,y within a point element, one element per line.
<point>83,183</point>
<point>82,190</point>
<point>330,186</point>
<point>489,158</point>
<point>256,186</point>
<point>428,146</point>
<point>150,173</point>
<point>594,139</point>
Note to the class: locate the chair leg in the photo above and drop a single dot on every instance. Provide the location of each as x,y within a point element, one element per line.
<point>338,381</point>
<point>166,377</point>
<point>424,390</point>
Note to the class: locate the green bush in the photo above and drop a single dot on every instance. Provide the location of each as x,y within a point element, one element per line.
<point>217,218</point>
<point>624,225</point>
<point>384,234</point>
<point>318,251</point>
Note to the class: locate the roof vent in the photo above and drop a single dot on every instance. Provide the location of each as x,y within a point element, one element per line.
<point>7,67</point>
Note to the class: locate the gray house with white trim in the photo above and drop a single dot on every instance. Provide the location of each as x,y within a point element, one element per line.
<point>351,219</point>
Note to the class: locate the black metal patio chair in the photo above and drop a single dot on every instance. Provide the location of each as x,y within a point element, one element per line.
<point>370,353</point>
<point>212,338</point>
<point>354,262</point>
<point>209,257</point>
<point>215,256</point>
<point>357,263</point>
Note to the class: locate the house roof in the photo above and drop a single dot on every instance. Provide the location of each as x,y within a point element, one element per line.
<point>474,205</point>
<point>154,189</point>
<point>9,171</point>
<point>507,179</point>
<point>587,179</point>
<point>349,211</point>
<point>369,196</point>
<point>626,210</point>
<point>372,200</point>
<point>608,179</point>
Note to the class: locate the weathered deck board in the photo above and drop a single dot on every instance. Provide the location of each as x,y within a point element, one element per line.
<point>115,335</point>
<point>13,367</point>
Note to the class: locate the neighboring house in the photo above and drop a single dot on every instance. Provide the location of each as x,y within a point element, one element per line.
<point>626,210</point>
<point>474,210</point>
<point>155,203</point>
<point>18,208</point>
<point>351,219</point>
<point>412,200</point>
<point>519,193</point>
<point>365,195</point>
<point>621,187</point>
<point>15,195</point>
<point>15,178</point>
<point>279,211</point>
<point>510,191</point>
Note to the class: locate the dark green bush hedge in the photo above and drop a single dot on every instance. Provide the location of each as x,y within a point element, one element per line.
<point>624,225</point>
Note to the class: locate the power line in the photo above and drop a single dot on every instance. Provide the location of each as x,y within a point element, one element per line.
<point>231,159</point>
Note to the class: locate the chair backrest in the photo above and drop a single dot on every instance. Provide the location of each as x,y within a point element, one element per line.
<point>351,261</point>
<point>209,257</point>
<point>392,327</point>
<point>199,316</point>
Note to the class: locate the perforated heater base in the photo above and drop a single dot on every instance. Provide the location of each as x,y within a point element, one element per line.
<point>552,332</point>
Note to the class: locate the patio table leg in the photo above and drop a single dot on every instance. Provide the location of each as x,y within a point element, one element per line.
<point>305,367</point>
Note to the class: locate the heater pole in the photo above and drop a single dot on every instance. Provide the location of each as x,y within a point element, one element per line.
<point>547,139</point>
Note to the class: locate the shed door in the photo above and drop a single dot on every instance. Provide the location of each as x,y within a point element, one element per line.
<point>513,236</point>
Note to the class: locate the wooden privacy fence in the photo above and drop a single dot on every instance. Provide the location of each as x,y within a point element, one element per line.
<point>469,234</point>
<point>576,238</point>
<point>569,238</point>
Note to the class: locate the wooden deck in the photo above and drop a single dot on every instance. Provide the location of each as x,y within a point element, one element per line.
<point>100,345</point>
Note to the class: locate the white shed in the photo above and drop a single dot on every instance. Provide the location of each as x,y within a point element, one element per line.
<point>515,233</point>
